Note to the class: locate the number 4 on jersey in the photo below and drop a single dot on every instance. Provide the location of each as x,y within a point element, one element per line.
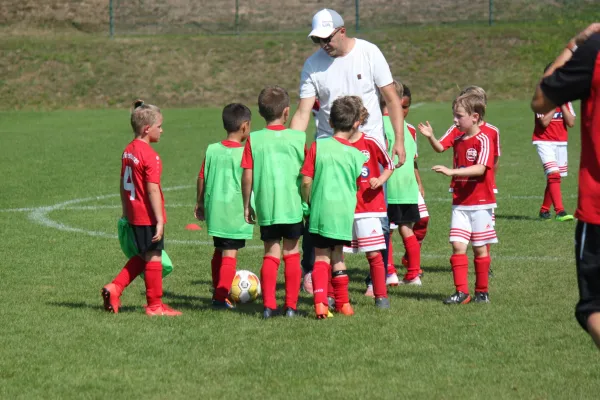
<point>128,183</point>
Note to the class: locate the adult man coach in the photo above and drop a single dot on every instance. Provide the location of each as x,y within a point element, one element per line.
<point>575,74</point>
<point>345,66</point>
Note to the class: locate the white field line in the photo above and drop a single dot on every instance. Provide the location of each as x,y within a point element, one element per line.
<point>39,215</point>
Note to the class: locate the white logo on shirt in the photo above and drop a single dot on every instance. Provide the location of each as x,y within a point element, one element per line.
<point>471,154</point>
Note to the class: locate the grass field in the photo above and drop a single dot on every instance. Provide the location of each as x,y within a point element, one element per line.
<point>59,208</point>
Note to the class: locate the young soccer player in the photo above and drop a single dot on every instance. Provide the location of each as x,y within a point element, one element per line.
<point>550,138</point>
<point>144,207</point>
<point>370,217</point>
<point>473,196</point>
<point>219,200</point>
<point>329,185</point>
<point>272,160</point>
<point>403,198</point>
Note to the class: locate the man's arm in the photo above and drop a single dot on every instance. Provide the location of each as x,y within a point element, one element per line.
<point>302,115</point>
<point>246,193</point>
<point>156,203</point>
<point>394,105</point>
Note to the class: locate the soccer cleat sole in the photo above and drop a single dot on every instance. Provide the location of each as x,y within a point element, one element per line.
<point>107,306</point>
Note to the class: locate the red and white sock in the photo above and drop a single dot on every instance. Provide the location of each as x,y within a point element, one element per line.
<point>153,280</point>
<point>377,269</point>
<point>413,253</point>
<point>460,270</point>
<point>135,266</point>
<point>482,269</point>
<point>320,281</point>
<point>340,286</point>
<point>226,275</point>
<point>215,267</point>
<point>293,277</point>
<point>268,281</point>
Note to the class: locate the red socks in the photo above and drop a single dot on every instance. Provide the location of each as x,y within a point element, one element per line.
<point>390,268</point>
<point>377,269</point>
<point>226,275</point>
<point>293,276</point>
<point>215,266</point>
<point>482,269</point>
<point>130,271</point>
<point>547,203</point>
<point>553,186</point>
<point>413,254</point>
<point>460,269</point>
<point>268,281</point>
<point>340,286</point>
<point>153,279</point>
<point>420,229</point>
<point>320,281</point>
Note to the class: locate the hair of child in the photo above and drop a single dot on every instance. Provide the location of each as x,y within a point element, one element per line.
<point>471,103</point>
<point>272,101</point>
<point>347,110</point>
<point>143,114</point>
<point>234,115</point>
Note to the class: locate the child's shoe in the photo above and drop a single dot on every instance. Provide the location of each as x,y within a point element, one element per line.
<point>458,298</point>
<point>162,310</point>
<point>307,283</point>
<point>482,297</point>
<point>545,215</point>
<point>369,292</point>
<point>111,297</point>
<point>391,280</point>
<point>562,216</point>
<point>382,302</point>
<point>322,311</point>
<point>345,309</point>
<point>223,305</point>
<point>416,281</point>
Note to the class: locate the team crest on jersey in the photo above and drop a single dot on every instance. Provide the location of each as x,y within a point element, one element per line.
<point>471,154</point>
<point>365,172</point>
<point>367,154</point>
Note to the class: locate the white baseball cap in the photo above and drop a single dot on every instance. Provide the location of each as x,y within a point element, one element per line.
<point>325,22</point>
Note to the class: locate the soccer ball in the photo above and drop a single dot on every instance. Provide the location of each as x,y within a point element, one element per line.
<point>245,287</point>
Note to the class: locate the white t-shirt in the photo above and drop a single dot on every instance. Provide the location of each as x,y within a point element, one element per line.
<point>359,73</point>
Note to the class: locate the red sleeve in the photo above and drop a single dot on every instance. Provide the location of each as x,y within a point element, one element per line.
<point>308,168</point>
<point>486,151</point>
<point>498,152</point>
<point>201,174</point>
<point>447,140</point>
<point>151,168</point>
<point>383,158</point>
<point>247,161</point>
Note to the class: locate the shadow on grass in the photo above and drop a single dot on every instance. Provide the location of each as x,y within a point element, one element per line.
<point>98,307</point>
<point>517,217</point>
<point>417,295</point>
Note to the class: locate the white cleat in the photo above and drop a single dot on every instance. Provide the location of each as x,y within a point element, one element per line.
<point>414,282</point>
<point>392,280</point>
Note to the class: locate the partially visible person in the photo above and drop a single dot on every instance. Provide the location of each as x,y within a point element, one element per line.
<point>333,162</point>
<point>272,160</point>
<point>219,200</point>
<point>575,75</point>
<point>473,198</point>
<point>143,206</point>
<point>550,138</point>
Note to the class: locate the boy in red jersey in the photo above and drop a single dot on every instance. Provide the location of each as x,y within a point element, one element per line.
<point>333,163</point>
<point>473,195</point>
<point>272,161</point>
<point>218,191</point>
<point>144,207</point>
<point>550,138</point>
<point>368,234</point>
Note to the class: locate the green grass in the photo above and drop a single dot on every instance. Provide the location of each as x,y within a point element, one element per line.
<point>71,70</point>
<point>57,342</point>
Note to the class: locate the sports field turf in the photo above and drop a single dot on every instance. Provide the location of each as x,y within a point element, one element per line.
<point>59,208</point>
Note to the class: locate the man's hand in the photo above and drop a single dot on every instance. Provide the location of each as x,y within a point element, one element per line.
<point>249,215</point>
<point>375,183</point>
<point>440,169</point>
<point>199,212</point>
<point>425,129</point>
<point>399,151</point>
<point>160,227</point>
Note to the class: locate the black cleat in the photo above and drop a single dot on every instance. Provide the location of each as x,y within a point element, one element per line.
<point>458,298</point>
<point>290,312</point>
<point>331,303</point>
<point>545,215</point>
<point>382,302</point>
<point>482,297</point>
<point>269,312</point>
<point>223,305</point>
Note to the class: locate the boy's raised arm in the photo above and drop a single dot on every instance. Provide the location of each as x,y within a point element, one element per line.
<point>427,131</point>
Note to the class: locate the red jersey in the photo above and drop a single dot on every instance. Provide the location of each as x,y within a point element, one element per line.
<point>413,133</point>
<point>494,135</point>
<point>556,131</point>
<point>227,143</point>
<point>472,193</point>
<point>140,165</point>
<point>369,202</point>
